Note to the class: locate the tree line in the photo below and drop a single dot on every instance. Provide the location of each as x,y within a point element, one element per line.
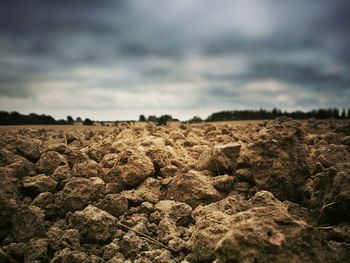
<point>274,113</point>
<point>16,118</point>
<point>162,120</point>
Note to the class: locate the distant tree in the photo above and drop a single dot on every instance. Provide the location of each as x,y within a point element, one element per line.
<point>274,112</point>
<point>142,118</point>
<point>152,118</point>
<point>4,118</point>
<point>195,119</point>
<point>87,121</point>
<point>47,119</point>
<point>164,119</point>
<point>17,118</point>
<point>70,120</point>
<point>349,113</point>
<point>78,119</point>
<point>343,114</point>
<point>61,121</point>
<point>33,116</point>
<point>335,113</point>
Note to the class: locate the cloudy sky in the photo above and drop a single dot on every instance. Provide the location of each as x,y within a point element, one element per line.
<point>117,59</point>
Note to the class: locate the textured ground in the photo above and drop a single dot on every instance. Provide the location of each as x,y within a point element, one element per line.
<point>272,191</point>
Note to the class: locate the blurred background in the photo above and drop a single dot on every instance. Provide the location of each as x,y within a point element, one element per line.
<point>117,59</point>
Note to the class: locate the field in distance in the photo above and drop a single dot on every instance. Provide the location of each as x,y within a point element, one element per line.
<point>110,125</point>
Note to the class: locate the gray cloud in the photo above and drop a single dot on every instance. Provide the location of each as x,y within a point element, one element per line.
<point>300,74</point>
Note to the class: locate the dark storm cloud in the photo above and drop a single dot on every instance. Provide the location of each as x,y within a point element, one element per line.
<point>43,16</point>
<point>145,55</point>
<point>299,74</point>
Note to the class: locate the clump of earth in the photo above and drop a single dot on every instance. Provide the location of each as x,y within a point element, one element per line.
<point>274,191</point>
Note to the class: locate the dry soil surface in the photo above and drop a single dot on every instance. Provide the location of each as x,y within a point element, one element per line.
<point>276,191</point>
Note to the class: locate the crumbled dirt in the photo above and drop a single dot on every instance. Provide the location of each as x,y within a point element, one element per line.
<point>276,191</point>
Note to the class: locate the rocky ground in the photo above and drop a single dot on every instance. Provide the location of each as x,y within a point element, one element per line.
<point>277,191</point>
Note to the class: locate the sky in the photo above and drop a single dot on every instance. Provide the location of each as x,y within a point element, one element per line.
<point>117,59</point>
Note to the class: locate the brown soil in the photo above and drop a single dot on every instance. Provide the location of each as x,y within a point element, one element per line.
<point>275,191</point>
